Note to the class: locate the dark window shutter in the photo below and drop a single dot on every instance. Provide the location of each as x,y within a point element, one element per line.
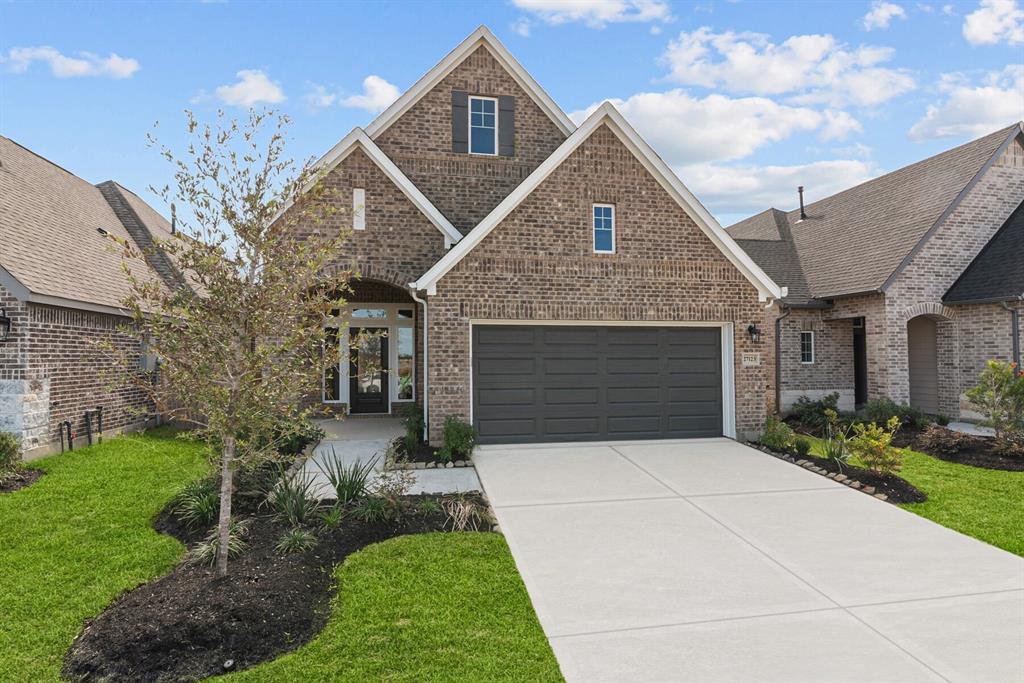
<point>460,122</point>
<point>506,125</point>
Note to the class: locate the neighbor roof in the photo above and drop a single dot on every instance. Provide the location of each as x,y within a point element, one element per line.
<point>51,247</point>
<point>997,272</point>
<point>858,240</point>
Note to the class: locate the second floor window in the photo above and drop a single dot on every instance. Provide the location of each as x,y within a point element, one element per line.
<point>604,228</point>
<point>483,125</point>
<point>807,347</point>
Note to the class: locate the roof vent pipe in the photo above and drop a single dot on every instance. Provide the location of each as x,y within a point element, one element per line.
<point>174,219</point>
<point>803,214</point>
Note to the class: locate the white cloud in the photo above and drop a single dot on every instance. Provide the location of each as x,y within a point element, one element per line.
<point>972,110</point>
<point>85,64</point>
<point>253,87</point>
<point>596,13</point>
<point>521,27</point>
<point>810,68</point>
<point>319,97</point>
<point>949,10</point>
<point>839,125</point>
<point>377,95</point>
<point>688,130</point>
<point>993,22</point>
<point>882,13</point>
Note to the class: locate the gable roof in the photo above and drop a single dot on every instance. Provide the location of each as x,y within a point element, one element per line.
<point>482,36</point>
<point>858,240</point>
<point>51,250</point>
<point>358,139</point>
<point>997,272</point>
<point>608,115</point>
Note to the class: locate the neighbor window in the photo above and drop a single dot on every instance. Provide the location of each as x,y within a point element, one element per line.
<point>483,125</point>
<point>806,347</point>
<point>604,228</point>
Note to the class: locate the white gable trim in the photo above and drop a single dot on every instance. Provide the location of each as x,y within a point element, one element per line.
<point>481,36</point>
<point>608,114</point>
<point>358,139</point>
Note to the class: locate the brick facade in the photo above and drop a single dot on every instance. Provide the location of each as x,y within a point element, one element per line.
<point>539,264</point>
<point>466,187</point>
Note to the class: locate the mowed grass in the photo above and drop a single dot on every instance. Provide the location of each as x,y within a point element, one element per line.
<point>985,504</point>
<point>431,607</point>
<point>81,535</point>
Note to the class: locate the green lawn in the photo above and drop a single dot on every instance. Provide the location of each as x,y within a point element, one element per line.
<point>432,607</point>
<point>78,537</point>
<point>985,504</point>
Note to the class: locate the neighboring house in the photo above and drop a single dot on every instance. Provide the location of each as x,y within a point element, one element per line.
<point>903,286</point>
<point>542,280</point>
<point>62,288</point>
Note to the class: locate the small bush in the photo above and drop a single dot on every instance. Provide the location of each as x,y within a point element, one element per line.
<point>391,488</point>
<point>205,553</point>
<point>198,504</point>
<point>942,420</point>
<point>777,435</point>
<point>10,453</point>
<point>873,445</point>
<point>371,510</point>
<point>293,500</point>
<point>297,540</point>
<point>463,513</point>
<point>812,413</point>
<point>459,439</point>
<point>348,481</point>
<point>836,444</point>
<point>412,421</point>
<point>1000,398</point>
<point>428,506</point>
<point>294,440</point>
<point>332,516</point>
<point>802,445</point>
<point>880,410</point>
<point>941,440</point>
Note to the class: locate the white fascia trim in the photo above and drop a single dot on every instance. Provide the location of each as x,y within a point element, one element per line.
<point>359,139</point>
<point>481,36</point>
<point>607,113</point>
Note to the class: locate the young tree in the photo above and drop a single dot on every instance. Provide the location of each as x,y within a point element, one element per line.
<point>242,339</point>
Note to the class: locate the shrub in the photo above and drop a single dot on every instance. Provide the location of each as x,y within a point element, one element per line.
<point>812,413</point>
<point>873,445</point>
<point>777,435</point>
<point>1000,398</point>
<point>802,445</point>
<point>371,510</point>
<point>880,410</point>
<point>459,439</point>
<point>198,504</point>
<point>10,453</point>
<point>941,420</point>
<point>297,440</point>
<point>835,445</point>
<point>293,500</point>
<point>332,516</point>
<point>463,513</point>
<point>412,420</point>
<point>348,481</point>
<point>428,506</point>
<point>205,553</point>
<point>391,488</point>
<point>297,540</point>
<point>941,440</point>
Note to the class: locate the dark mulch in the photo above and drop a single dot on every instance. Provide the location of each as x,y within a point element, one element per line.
<point>19,479</point>
<point>423,453</point>
<point>186,625</point>
<point>976,451</point>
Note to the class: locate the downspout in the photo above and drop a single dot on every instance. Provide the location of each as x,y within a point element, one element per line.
<point>778,357</point>
<point>426,335</point>
<point>1015,323</point>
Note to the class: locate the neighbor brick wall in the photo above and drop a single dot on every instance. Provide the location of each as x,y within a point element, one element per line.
<point>465,187</point>
<point>538,264</point>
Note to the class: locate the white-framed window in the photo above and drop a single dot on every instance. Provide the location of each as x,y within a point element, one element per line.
<point>604,228</point>
<point>483,125</point>
<point>400,322</point>
<point>358,208</point>
<point>807,347</point>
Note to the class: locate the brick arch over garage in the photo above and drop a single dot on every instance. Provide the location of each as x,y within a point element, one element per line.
<point>930,309</point>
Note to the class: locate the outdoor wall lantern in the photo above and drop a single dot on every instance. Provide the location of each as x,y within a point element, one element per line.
<point>5,325</point>
<point>755,334</point>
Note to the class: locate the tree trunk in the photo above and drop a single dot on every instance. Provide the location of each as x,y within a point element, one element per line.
<point>226,488</point>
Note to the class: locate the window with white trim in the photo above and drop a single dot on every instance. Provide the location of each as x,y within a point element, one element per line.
<point>483,125</point>
<point>399,321</point>
<point>807,347</point>
<point>604,229</point>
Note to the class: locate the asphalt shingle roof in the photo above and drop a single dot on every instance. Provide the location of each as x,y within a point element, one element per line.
<point>997,272</point>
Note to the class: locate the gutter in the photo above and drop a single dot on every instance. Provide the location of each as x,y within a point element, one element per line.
<point>1015,325</point>
<point>778,352</point>
<point>426,336</point>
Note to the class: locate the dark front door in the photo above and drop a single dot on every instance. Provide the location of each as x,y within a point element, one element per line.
<point>860,363</point>
<point>579,383</point>
<point>368,372</point>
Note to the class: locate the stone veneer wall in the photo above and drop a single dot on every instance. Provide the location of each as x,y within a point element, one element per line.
<point>466,187</point>
<point>538,264</point>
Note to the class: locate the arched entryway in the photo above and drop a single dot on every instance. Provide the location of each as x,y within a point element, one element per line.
<point>923,363</point>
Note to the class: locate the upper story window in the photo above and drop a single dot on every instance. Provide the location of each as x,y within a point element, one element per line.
<point>604,228</point>
<point>483,125</point>
<point>807,347</point>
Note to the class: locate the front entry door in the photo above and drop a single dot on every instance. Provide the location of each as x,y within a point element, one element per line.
<point>368,372</point>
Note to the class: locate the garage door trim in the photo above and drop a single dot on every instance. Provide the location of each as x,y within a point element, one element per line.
<point>728,372</point>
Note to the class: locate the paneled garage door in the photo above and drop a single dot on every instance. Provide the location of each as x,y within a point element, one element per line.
<point>573,383</point>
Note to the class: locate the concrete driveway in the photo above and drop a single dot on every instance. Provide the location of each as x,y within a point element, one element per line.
<point>706,560</point>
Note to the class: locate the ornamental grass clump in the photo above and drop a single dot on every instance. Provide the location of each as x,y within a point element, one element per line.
<point>777,435</point>
<point>836,444</point>
<point>873,446</point>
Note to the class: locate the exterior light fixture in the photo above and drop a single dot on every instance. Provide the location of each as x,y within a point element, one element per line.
<point>5,326</point>
<point>755,334</point>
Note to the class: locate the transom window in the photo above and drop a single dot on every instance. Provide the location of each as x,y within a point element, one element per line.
<point>807,347</point>
<point>483,125</point>
<point>604,228</point>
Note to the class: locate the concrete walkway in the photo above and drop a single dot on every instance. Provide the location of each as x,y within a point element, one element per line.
<point>706,560</point>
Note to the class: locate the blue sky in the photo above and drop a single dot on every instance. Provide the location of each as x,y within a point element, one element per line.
<point>745,99</point>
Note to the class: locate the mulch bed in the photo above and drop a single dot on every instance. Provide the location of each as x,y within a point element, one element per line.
<point>976,451</point>
<point>19,479</point>
<point>426,455</point>
<point>189,624</point>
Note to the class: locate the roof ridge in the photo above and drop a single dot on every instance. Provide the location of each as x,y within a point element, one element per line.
<point>49,161</point>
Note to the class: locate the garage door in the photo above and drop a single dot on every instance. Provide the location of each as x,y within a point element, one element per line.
<point>569,383</point>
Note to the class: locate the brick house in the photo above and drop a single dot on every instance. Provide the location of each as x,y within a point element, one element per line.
<point>61,288</point>
<point>903,286</point>
<point>542,280</point>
